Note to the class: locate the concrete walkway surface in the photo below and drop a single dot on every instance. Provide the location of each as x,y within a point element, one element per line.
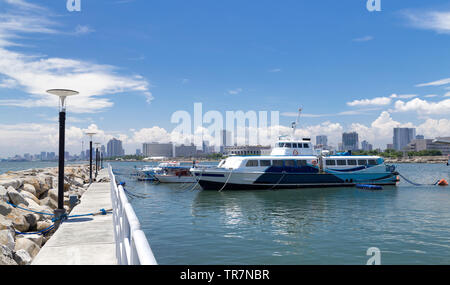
<point>85,240</point>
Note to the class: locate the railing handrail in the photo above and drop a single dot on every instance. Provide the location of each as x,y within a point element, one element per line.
<point>132,247</point>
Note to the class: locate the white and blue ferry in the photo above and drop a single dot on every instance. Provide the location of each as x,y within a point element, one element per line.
<point>294,164</point>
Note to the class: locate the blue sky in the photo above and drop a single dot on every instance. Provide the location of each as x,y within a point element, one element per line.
<point>138,61</point>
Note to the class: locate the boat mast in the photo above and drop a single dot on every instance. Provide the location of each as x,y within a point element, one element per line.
<point>295,124</point>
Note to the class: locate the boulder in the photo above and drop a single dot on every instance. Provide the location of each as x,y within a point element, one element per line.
<point>20,223</point>
<point>37,239</point>
<point>53,194</point>
<point>7,238</point>
<point>22,257</point>
<point>52,204</point>
<point>6,256</point>
<point>34,181</point>
<point>3,194</point>
<point>42,225</point>
<point>27,245</point>
<point>28,196</point>
<point>15,197</point>
<point>5,208</point>
<point>12,182</point>
<point>5,223</point>
<point>30,189</point>
<point>31,219</point>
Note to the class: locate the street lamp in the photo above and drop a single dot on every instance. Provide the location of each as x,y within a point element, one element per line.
<point>90,134</point>
<point>96,159</point>
<point>62,94</point>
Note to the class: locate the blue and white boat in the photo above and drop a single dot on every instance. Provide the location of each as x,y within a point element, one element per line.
<point>294,164</point>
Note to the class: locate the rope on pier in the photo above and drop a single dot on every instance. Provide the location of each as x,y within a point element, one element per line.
<point>62,218</point>
<point>134,194</point>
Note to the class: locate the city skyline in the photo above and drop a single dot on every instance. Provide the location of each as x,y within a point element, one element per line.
<point>349,74</point>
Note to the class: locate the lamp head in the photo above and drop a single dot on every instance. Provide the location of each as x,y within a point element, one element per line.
<point>62,94</point>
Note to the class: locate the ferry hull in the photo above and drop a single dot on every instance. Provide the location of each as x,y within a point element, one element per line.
<point>273,181</point>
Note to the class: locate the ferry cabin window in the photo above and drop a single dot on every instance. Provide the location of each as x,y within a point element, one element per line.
<point>372,162</point>
<point>351,162</point>
<point>289,163</point>
<point>330,162</point>
<point>264,163</point>
<point>305,145</point>
<point>301,163</point>
<point>278,163</point>
<point>289,145</point>
<point>294,145</point>
<point>362,162</point>
<point>300,145</point>
<point>341,162</point>
<point>252,163</point>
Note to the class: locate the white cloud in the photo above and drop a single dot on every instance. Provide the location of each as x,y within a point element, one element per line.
<point>35,74</point>
<point>423,107</point>
<point>363,39</point>
<point>83,30</point>
<point>438,21</point>
<point>235,91</point>
<point>378,101</point>
<point>275,70</point>
<point>440,82</point>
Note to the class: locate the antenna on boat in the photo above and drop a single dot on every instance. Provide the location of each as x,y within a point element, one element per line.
<point>295,124</point>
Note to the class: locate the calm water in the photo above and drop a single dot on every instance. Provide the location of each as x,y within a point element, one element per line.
<point>410,225</point>
<point>24,165</point>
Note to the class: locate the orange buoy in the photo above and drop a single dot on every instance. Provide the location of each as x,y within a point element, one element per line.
<point>442,182</point>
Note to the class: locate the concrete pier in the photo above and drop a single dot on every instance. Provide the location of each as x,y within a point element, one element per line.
<point>85,240</point>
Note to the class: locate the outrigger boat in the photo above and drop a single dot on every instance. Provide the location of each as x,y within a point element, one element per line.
<point>294,164</point>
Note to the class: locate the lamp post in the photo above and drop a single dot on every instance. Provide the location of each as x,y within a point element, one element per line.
<point>62,94</point>
<point>90,134</point>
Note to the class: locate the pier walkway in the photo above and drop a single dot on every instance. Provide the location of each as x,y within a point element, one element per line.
<point>85,240</point>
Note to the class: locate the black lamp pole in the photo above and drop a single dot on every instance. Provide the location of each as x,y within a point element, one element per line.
<point>96,162</point>
<point>90,161</point>
<point>62,93</point>
<point>62,135</point>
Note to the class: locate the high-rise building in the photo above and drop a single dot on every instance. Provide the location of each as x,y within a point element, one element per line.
<point>157,149</point>
<point>225,140</point>
<point>138,152</point>
<point>420,137</point>
<point>402,137</point>
<point>185,150</point>
<point>43,155</point>
<point>350,141</point>
<point>114,148</point>
<point>322,140</point>
<point>366,146</point>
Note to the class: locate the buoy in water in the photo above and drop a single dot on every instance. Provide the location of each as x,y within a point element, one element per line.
<point>442,182</point>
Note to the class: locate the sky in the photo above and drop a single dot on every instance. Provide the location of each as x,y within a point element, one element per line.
<point>137,62</point>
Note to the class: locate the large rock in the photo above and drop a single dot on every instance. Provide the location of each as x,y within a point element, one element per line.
<point>29,196</point>
<point>42,225</point>
<point>15,197</point>
<point>3,194</point>
<point>30,189</point>
<point>20,223</point>
<point>7,239</point>
<point>32,220</point>
<point>49,202</point>
<point>11,182</point>
<point>22,257</point>
<point>34,181</point>
<point>53,194</point>
<point>5,223</point>
<point>6,256</point>
<point>37,239</point>
<point>27,245</point>
<point>5,208</point>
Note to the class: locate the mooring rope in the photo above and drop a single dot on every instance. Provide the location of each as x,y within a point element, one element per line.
<point>228,179</point>
<point>284,173</point>
<point>416,184</point>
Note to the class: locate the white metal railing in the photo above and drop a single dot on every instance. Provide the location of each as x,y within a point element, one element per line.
<point>132,247</point>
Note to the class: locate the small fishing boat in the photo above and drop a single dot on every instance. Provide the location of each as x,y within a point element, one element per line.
<point>147,172</point>
<point>175,174</point>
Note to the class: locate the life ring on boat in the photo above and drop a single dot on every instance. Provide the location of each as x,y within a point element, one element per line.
<point>295,152</point>
<point>314,162</point>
